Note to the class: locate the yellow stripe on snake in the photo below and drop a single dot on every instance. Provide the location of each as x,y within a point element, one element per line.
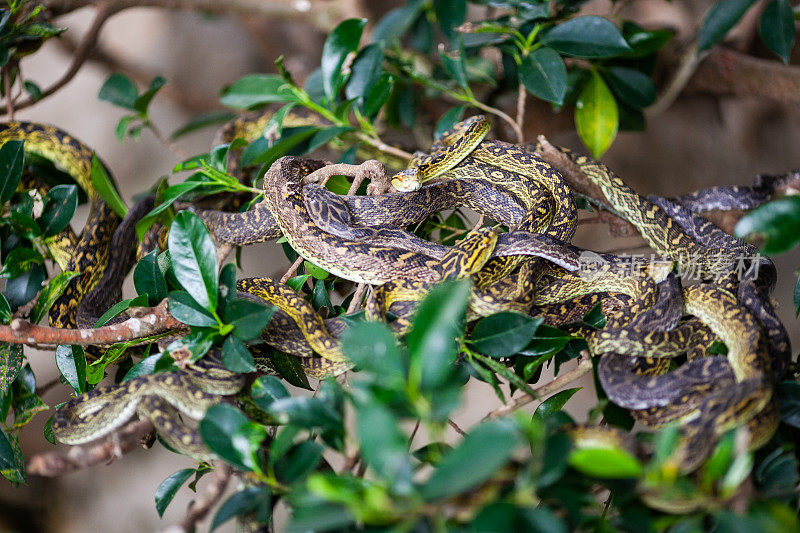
<point>530,269</point>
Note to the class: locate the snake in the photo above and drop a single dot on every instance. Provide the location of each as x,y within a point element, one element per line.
<point>363,239</point>
<point>101,257</point>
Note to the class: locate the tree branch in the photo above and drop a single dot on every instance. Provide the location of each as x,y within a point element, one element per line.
<point>52,464</point>
<point>104,11</point>
<point>324,15</point>
<point>727,72</point>
<point>152,321</point>
<point>583,368</point>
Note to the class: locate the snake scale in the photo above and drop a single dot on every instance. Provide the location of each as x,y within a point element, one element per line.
<point>531,268</point>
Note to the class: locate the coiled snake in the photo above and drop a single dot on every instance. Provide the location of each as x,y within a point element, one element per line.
<point>530,269</point>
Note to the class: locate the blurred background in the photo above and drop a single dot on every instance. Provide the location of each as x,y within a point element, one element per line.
<point>703,139</point>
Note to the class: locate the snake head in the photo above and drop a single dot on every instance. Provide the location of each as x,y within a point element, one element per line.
<point>406,180</point>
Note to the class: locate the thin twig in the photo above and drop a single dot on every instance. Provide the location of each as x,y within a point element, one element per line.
<point>9,100</point>
<point>355,303</point>
<point>292,270</point>
<point>583,368</point>
<point>511,122</point>
<point>455,426</point>
<point>170,145</point>
<point>103,12</point>
<point>522,96</point>
<point>52,464</point>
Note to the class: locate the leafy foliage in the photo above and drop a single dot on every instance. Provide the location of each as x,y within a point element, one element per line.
<point>350,457</point>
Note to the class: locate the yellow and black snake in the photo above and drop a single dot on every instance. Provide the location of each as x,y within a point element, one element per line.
<point>531,268</point>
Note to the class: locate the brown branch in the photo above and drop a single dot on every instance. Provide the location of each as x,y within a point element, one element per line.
<point>583,368</point>
<point>323,14</point>
<point>104,11</point>
<point>150,321</point>
<point>522,97</point>
<point>200,507</point>
<point>52,464</point>
<point>728,72</point>
<point>455,426</point>
<point>9,100</point>
<point>355,302</point>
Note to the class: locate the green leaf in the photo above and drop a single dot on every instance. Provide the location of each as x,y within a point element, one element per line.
<point>607,462</point>
<point>397,22</point>
<point>10,364</point>
<point>341,42</point>
<point>384,447</point>
<point>71,362</point>
<point>236,357</point>
<point>256,89</point>
<point>248,317</point>
<point>5,310</point>
<point>238,504</point>
<point>261,153</point>
<point>290,369</point>
<point>632,86</point>
<point>453,63</point>
<point>777,221</point>
<point>20,260</point>
<point>122,127</point>
<point>170,196</point>
<point>372,346</point>
<point>796,296</point>
<point>299,462</point>
<point>484,451</point>
<point>789,397</point>
<point>324,136</point>
<point>504,334</point>
<point>544,75</point>
<point>720,19</point>
<point>554,403</point>
<point>305,412</point>
<point>21,289</point>
<point>117,308</point>
<point>314,270</point>
<point>148,279</point>
<point>366,72</point>
<point>589,36</point>
<point>120,91</point>
<point>596,116</point>
<point>33,90</point>
<point>448,120</point>
<point>62,200</point>
<point>432,340</point>
<point>50,293</point>
<point>319,296</point>
<point>11,465</point>
<point>267,389</point>
<point>642,41</point>
<point>194,259</point>
<point>777,28</point>
<point>378,94</point>
<point>183,307</point>
<point>169,487</point>
<point>229,434</point>
<point>143,101</point>
<point>105,189</point>
<point>450,14</point>
<point>11,160</point>
<point>202,121</point>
